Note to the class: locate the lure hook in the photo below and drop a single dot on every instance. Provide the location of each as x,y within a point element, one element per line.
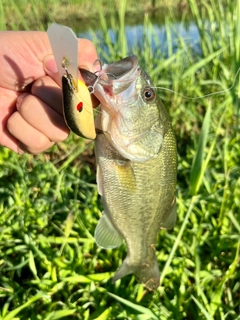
<point>98,75</point>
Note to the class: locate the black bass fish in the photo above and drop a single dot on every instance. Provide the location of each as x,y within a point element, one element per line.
<point>136,166</point>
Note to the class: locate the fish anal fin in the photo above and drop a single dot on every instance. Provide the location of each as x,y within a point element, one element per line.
<point>106,236</point>
<point>170,221</point>
<point>146,273</point>
<point>124,270</point>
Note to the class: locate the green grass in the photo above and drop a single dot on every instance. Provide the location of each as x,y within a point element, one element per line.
<point>34,14</point>
<point>50,267</point>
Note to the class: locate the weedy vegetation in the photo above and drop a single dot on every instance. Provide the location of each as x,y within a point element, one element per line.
<point>50,267</point>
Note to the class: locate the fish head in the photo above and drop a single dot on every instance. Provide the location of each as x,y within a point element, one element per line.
<point>132,116</point>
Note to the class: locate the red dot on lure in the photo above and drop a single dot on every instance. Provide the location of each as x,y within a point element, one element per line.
<point>79,106</point>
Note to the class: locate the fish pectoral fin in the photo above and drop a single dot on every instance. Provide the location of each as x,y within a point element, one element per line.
<point>99,180</point>
<point>170,221</point>
<point>106,236</point>
<point>125,176</point>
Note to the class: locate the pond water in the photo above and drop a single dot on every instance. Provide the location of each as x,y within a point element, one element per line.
<point>157,36</point>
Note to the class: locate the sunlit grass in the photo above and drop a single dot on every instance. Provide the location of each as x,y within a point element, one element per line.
<point>50,267</point>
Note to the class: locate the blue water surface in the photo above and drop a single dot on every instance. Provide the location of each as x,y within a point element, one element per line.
<point>157,36</point>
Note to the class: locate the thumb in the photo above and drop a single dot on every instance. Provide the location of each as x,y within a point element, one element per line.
<point>50,68</point>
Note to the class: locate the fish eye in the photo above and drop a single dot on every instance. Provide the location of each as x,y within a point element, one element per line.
<point>148,94</point>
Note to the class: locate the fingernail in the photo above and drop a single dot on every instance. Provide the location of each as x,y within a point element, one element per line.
<point>21,148</point>
<point>20,99</point>
<point>49,65</point>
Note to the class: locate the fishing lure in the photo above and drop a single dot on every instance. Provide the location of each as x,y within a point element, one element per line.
<point>77,104</point>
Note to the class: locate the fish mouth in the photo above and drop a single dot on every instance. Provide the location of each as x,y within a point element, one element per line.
<point>114,78</point>
<point>120,69</point>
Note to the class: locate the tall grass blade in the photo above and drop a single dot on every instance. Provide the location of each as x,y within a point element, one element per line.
<point>203,310</point>
<point>105,315</point>
<point>60,314</point>
<point>68,229</point>
<point>2,17</point>
<point>211,148</point>
<point>197,165</point>
<point>234,220</point>
<point>136,307</point>
<point>216,298</point>
<point>11,315</point>
<point>19,16</point>
<point>122,37</point>
<point>178,239</point>
<point>69,224</point>
<point>72,157</point>
<point>32,264</point>
<point>236,90</point>
<point>202,63</point>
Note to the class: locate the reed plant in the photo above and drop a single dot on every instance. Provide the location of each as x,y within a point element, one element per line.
<point>50,266</point>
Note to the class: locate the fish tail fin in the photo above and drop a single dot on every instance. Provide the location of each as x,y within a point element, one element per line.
<point>146,273</point>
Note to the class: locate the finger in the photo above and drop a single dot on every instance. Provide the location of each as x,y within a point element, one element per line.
<point>21,58</point>
<point>87,54</point>
<point>49,92</point>
<point>42,117</point>
<point>50,67</point>
<point>31,140</point>
<point>7,107</point>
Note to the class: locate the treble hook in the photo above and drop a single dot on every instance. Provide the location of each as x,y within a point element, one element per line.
<point>98,75</point>
<point>100,64</point>
<point>91,88</point>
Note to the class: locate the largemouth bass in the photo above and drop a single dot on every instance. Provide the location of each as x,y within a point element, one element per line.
<point>136,166</point>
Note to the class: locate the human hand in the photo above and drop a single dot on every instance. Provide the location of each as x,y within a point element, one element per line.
<point>31,117</point>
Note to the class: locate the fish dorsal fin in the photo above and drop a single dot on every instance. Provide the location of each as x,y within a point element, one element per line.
<point>106,236</point>
<point>169,222</point>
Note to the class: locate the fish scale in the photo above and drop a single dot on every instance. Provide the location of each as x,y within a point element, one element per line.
<point>127,210</point>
